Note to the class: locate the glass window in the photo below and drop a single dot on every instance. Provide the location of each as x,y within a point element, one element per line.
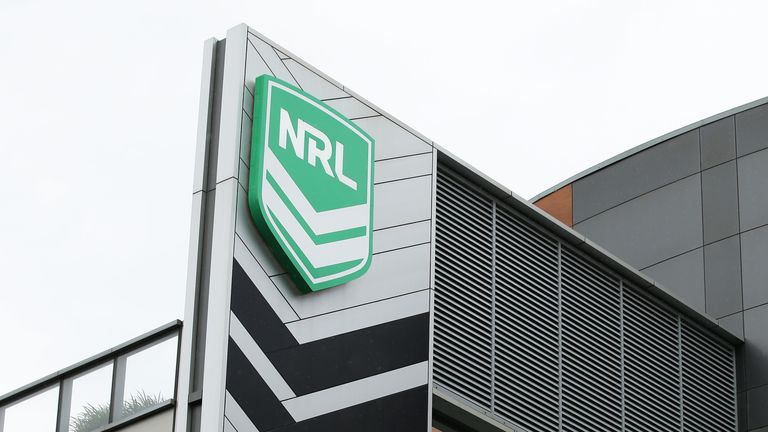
<point>34,414</point>
<point>89,407</point>
<point>150,377</point>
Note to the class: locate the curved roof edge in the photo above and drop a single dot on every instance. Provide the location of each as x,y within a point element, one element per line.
<point>579,241</point>
<point>623,155</point>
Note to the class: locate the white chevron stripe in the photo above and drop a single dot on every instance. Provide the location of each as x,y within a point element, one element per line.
<point>263,283</point>
<point>321,222</point>
<point>259,360</point>
<point>318,255</point>
<point>237,416</point>
<point>357,392</point>
<point>356,318</point>
<point>227,426</point>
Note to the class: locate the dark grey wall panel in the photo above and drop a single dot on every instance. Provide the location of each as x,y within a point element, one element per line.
<point>720,200</point>
<point>754,263</point>
<point>653,227</point>
<point>756,357</point>
<point>752,130</point>
<point>753,190</point>
<point>733,323</point>
<point>683,275</point>
<point>722,268</point>
<point>718,142</point>
<point>757,401</point>
<point>645,171</point>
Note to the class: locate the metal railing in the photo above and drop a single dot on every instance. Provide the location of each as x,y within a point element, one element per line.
<point>118,386</point>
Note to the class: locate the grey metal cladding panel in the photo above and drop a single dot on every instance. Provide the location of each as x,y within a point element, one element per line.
<point>718,142</point>
<point>756,346</point>
<point>733,323</point>
<point>401,236</point>
<point>391,139</point>
<point>401,202</point>
<point>391,274</point>
<point>651,228</point>
<point>255,66</point>
<point>752,130</point>
<point>245,145</point>
<point>351,107</point>
<point>312,83</point>
<point>722,269</point>
<point>754,250</point>
<point>753,190</point>
<point>683,275</point>
<point>268,54</point>
<point>247,231</point>
<point>720,200</point>
<point>757,401</point>
<point>652,168</point>
<point>404,167</point>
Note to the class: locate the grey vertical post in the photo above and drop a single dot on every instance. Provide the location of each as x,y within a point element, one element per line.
<point>187,335</point>
<point>432,237</point>
<point>493,306</point>
<point>222,245</point>
<point>560,334</point>
<point>118,388</point>
<point>680,370</point>
<point>621,353</point>
<point>2,418</point>
<point>65,405</point>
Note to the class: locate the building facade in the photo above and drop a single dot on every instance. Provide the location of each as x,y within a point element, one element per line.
<point>690,209</point>
<point>474,309</point>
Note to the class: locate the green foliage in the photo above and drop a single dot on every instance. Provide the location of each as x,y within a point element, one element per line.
<point>92,417</point>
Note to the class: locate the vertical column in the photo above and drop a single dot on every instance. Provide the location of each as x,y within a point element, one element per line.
<point>189,339</point>
<point>222,240</point>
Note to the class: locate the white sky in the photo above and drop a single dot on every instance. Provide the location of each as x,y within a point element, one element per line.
<point>98,110</point>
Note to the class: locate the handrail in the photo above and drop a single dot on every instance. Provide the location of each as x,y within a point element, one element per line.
<point>73,370</point>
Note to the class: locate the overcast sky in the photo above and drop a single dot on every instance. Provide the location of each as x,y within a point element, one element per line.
<point>98,110</point>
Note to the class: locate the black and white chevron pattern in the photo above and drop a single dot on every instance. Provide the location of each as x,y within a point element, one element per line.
<point>354,357</point>
<point>372,379</point>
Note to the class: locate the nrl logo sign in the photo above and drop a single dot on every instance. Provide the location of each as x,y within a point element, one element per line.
<point>311,186</point>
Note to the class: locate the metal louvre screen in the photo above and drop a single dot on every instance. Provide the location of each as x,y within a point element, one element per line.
<point>463,348</point>
<point>535,334</point>
<point>591,347</point>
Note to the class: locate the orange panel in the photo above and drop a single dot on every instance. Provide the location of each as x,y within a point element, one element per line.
<point>559,204</point>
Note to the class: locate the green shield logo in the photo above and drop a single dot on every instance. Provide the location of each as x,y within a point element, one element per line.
<point>311,186</point>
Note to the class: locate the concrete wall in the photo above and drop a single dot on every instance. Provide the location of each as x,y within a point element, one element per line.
<point>692,213</point>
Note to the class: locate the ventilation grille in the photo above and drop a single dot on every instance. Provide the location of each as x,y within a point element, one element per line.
<point>707,370</point>
<point>591,335</point>
<point>543,339</point>
<point>526,337</point>
<point>651,366</point>
<point>463,329</point>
